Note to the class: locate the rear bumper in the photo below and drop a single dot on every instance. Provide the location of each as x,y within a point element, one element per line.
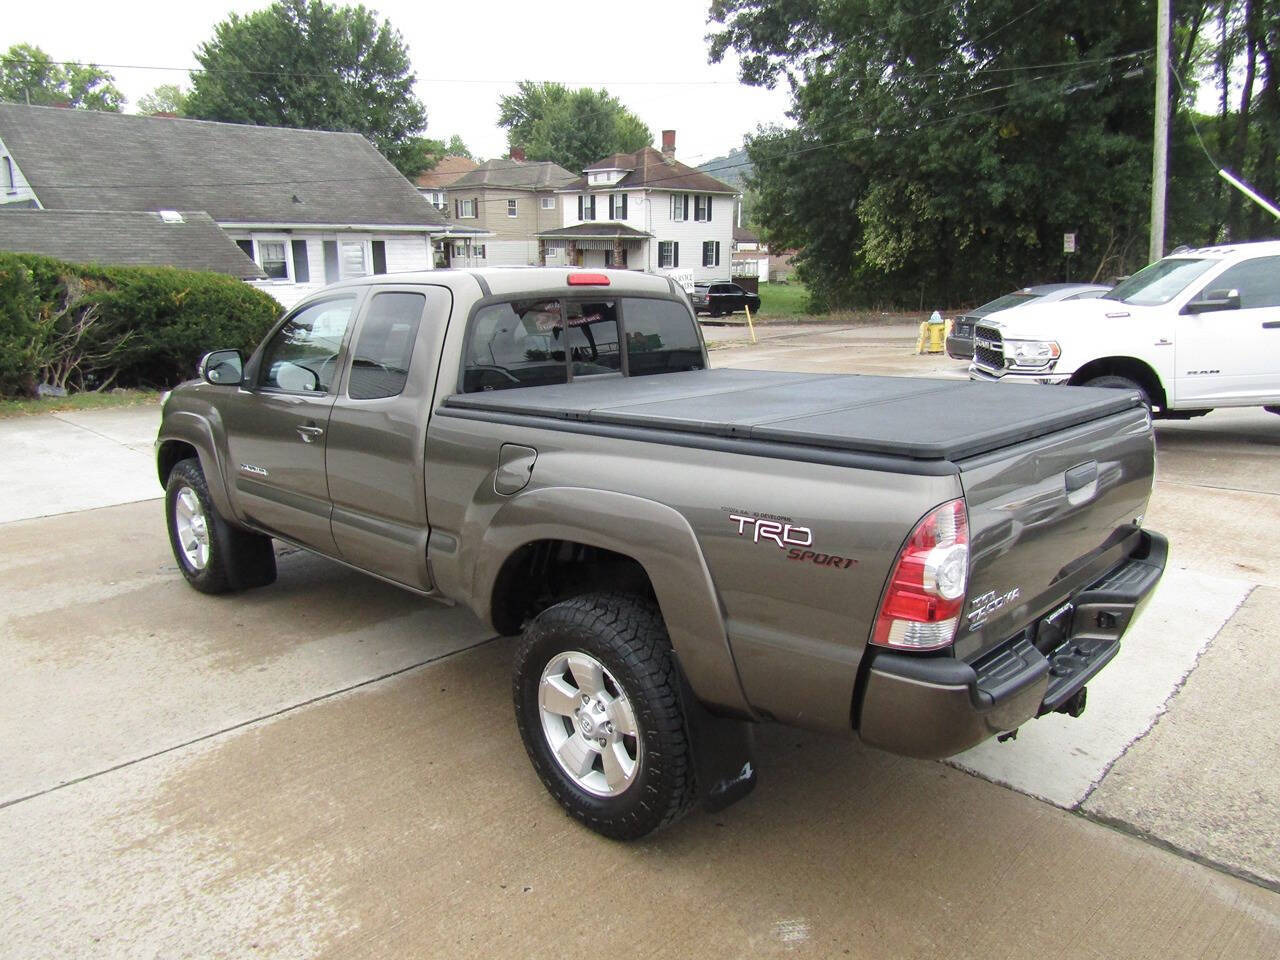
<point>937,707</point>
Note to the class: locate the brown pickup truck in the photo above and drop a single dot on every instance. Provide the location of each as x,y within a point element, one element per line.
<point>922,564</point>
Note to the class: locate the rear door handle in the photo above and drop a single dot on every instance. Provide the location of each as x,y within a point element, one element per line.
<point>307,434</point>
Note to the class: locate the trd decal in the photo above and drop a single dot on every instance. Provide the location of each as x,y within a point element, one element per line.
<point>783,534</point>
<point>790,537</point>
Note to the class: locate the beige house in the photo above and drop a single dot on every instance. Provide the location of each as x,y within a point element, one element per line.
<point>512,201</point>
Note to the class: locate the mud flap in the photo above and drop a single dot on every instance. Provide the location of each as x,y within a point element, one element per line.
<point>723,757</point>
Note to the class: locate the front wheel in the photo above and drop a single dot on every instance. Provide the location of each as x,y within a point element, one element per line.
<point>598,704</point>
<point>213,555</point>
<point>1120,383</point>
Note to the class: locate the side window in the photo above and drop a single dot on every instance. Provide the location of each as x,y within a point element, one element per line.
<point>302,357</point>
<point>1257,280</point>
<point>517,344</point>
<point>661,337</point>
<point>385,346</point>
<point>592,339</point>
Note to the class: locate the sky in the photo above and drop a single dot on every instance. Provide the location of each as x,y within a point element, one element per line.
<point>652,57</point>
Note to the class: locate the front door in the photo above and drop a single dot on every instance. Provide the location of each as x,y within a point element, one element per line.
<point>1232,356</point>
<point>276,426</point>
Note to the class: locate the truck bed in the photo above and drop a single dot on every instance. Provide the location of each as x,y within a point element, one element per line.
<point>915,418</point>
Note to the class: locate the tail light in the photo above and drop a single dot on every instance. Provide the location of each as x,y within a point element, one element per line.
<point>925,597</point>
<point>588,280</point>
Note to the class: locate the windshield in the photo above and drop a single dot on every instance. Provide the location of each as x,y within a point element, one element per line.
<point>1005,302</point>
<point>1158,283</point>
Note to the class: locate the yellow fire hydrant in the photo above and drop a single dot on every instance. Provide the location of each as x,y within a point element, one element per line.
<point>933,334</point>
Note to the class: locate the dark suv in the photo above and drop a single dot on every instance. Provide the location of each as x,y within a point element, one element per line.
<point>718,299</point>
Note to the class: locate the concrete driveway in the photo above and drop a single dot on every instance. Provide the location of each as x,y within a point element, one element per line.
<point>329,767</point>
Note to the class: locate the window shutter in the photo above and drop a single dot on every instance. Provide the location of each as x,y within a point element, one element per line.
<point>457,209</point>
<point>331,274</point>
<point>611,217</point>
<point>579,206</point>
<point>593,206</point>
<point>475,206</point>
<point>717,253</point>
<point>675,248</point>
<point>709,217</point>
<point>379,256</point>
<point>686,206</point>
<point>301,268</point>
<point>624,207</point>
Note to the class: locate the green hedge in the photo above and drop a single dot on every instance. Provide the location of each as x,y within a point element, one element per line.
<point>151,323</point>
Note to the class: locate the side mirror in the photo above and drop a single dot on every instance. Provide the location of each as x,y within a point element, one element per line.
<point>1214,300</point>
<point>222,368</point>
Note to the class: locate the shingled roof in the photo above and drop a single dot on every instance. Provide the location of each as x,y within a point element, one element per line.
<point>515,175</point>
<point>94,160</point>
<point>128,238</point>
<point>447,170</point>
<point>649,168</point>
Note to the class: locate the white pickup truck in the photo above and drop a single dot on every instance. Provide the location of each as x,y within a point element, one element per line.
<point>1197,330</point>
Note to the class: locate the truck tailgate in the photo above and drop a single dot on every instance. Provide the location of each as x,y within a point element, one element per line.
<point>1048,517</point>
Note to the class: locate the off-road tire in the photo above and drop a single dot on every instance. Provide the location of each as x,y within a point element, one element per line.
<point>1111,382</point>
<point>626,634</point>
<point>238,559</point>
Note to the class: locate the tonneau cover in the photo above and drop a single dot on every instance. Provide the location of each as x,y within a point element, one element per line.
<point>924,419</point>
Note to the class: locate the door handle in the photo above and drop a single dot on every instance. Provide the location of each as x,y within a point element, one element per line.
<point>307,434</point>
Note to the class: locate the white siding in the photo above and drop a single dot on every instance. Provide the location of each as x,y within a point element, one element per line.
<point>691,234</point>
<point>21,191</point>
<point>405,252</point>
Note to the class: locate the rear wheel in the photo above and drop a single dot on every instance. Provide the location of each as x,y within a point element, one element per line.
<point>213,555</point>
<point>598,704</point>
<point>1111,382</point>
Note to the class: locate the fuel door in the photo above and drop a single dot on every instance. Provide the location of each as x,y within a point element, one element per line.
<point>515,467</point>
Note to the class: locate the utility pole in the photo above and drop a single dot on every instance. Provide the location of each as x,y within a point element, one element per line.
<point>1160,147</point>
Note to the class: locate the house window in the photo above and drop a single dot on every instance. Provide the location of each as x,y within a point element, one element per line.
<point>478,251</point>
<point>702,207</point>
<point>711,253</point>
<point>679,206</point>
<point>617,206</point>
<point>548,203</point>
<point>611,261</point>
<point>668,253</point>
<point>272,260</point>
<point>511,208</point>
<point>586,207</point>
<point>465,209</point>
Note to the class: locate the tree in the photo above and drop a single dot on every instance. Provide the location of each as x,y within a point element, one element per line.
<point>29,75</point>
<point>573,128</point>
<point>310,64</point>
<point>166,98</point>
<point>456,148</point>
<point>940,153</point>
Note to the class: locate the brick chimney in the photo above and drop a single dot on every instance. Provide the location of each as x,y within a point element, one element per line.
<point>669,144</point>
<point>517,154</point>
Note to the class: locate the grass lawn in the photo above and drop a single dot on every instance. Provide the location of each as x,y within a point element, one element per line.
<point>77,401</point>
<point>783,300</point>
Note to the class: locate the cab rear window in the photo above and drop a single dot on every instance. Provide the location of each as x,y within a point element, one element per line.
<point>525,343</point>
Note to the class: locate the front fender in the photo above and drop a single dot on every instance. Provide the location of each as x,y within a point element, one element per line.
<point>183,426</point>
<point>659,539</point>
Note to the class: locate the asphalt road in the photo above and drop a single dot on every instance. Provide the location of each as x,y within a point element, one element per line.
<point>329,767</point>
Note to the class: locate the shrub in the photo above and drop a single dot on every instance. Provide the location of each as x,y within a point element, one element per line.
<point>128,326</point>
<point>19,328</point>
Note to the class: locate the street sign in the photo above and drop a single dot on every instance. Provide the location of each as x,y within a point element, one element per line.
<point>1068,243</point>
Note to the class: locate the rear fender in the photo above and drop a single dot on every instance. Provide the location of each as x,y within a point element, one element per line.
<point>659,539</point>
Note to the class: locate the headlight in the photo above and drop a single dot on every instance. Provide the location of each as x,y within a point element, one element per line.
<point>1031,353</point>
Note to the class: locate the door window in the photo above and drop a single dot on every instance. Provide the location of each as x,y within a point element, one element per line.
<point>1258,282</point>
<point>518,344</point>
<point>384,348</point>
<point>302,356</point>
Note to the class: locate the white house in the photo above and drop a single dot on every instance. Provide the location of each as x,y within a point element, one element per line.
<point>309,207</point>
<point>647,211</point>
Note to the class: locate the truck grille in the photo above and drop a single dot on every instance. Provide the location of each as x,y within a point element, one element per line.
<point>988,348</point>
